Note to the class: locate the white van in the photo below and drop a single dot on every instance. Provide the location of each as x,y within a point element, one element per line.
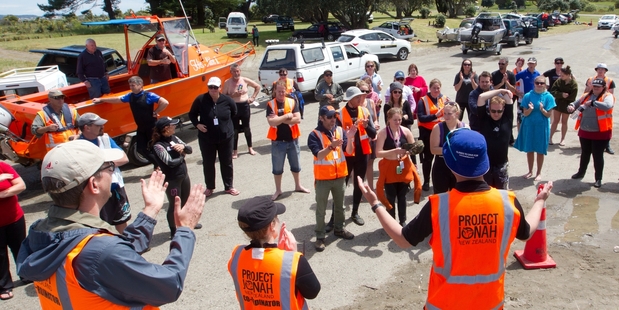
<point>237,25</point>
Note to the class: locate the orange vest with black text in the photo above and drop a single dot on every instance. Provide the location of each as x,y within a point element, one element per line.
<point>333,166</point>
<point>472,233</point>
<point>288,107</point>
<point>346,120</point>
<point>63,291</point>
<point>605,118</point>
<point>431,108</point>
<point>264,278</point>
<point>52,139</point>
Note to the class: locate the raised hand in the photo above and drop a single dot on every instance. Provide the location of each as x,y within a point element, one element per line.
<point>153,193</point>
<point>190,214</point>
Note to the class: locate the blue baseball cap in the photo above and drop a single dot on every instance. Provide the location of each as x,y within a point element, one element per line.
<point>399,75</point>
<point>465,153</point>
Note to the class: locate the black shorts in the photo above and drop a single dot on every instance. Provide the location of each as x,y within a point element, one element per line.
<point>117,209</point>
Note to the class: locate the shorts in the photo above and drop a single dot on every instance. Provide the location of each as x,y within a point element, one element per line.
<point>279,151</point>
<point>117,209</point>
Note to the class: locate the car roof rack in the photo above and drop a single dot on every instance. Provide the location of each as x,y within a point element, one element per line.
<point>292,40</point>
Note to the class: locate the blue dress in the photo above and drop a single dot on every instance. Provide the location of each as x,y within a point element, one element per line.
<point>534,133</point>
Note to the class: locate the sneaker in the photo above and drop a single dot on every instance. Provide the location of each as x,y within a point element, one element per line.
<point>198,226</point>
<point>597,184</point>
<point>357,220</point>
<point>609,150</point>
<point>578,176</point>
<point>329,226</point>
<point>426,187</point>
<point>344,234</point>
<point>320,245</point>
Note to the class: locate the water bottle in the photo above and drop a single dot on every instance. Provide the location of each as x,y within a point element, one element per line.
<point>577,113</point>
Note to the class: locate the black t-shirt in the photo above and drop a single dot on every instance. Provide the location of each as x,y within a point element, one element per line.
<point>462,96</point>
<point>497,78</point>
<point>284,133</point>
<point>552,76</point>
<point>421,226</point>
<point>224,110</point>
<point>497,133</point>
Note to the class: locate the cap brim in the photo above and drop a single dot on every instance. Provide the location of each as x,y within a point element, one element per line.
<point>112,154</point>
<point>280,208</point>
<point>100,122</point>
<point>174,121</point>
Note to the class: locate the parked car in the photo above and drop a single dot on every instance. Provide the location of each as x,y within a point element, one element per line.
<point>400,29</point>
<point>511,16</point>
<point>335,29</point>
<point>486,34</point>
<point>284,23</point>
<point>453,34</point>
<point>306,63</point>
<point>269,18</point>
<point>66,60</point>
<point>518,31</point>
<point>377,42</point>
<point>607,21</point>
<point>562,19</point>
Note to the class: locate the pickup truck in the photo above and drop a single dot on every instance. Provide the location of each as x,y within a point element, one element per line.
<point>25,81</point>
<point>306,63</point>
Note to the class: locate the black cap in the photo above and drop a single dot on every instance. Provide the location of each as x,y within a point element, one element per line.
<point>558,59</point>
<point>328,71</point>
<point>598,82</point>
<point>165,122</point>
<point>159,37</point>
<point>258,212</point>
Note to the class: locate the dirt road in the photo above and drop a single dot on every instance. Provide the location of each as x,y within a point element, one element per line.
<point>371,272</point>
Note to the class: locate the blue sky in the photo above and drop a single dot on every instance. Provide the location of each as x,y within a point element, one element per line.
<point>29,7</point>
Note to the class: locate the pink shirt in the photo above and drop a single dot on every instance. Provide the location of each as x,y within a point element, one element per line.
<point>418,82</point>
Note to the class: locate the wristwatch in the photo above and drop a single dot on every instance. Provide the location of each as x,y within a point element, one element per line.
<point>374,207</point>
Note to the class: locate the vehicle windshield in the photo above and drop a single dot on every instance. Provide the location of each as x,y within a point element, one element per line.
<point>608,17</point>
<point>179,38</point>
<point>345,38</point>
<point>235,21</point>
<point>385,25</point>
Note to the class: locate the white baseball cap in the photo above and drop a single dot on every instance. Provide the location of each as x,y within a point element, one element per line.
<point>214,81</point>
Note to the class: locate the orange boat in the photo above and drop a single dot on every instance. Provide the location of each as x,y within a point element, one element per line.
<point>196,64</point>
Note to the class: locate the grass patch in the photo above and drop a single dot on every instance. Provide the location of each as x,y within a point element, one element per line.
<point>10,64</point>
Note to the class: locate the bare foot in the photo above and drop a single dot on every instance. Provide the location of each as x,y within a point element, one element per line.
<point>538,177</point>
<point>528,175</point>
<point>302,189</point>
<point>276,195</point>
<point>235,155</point>
<point>561,143</point>
<point>251,151</point>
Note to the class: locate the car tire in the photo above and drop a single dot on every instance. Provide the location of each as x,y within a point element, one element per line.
<point>330,37</point>
<point>465,51</point>
<point>440,40</point>
<point>134,157</point>
<point>599,28</point>
<point>516,41</point>
<point>402,54</point>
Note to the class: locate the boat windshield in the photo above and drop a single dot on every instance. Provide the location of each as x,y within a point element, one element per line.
<point>179,38</point>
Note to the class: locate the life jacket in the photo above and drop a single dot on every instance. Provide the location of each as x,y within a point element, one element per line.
<point>470,244</point>
<point>346,121</point>
<point>264,278</point>
<point>66,125</point>
<point>62,291</point>
<point>288,107</point>
<point>104,143</point>
<point>387,169</point>
<point>605,118</point>
<point>333,166</point>
<point>289,85</point>
<point>431,108</point>
<point>607,80</point>
<point>142,112</point>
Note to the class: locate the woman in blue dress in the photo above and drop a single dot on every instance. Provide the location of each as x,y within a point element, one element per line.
<point>534,133</point>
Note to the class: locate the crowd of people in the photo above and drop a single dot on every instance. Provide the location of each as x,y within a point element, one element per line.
<point>467,164</point>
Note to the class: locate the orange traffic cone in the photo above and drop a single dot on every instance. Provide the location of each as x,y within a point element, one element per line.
<point>535,254</point>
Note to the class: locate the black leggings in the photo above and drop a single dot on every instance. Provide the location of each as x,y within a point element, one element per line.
<point>397,190</point>
<point>11,236</point>
<point>178,187</point>
<point>463,108</point>
<point>426,157</point>
<point>210,150</point>
<point>241,123</point>
<point>358,163</point>
<point>596,148</point>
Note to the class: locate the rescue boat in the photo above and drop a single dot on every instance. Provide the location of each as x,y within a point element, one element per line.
<point>196,63</point>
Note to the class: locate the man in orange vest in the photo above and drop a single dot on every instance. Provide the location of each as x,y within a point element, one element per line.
<point>56,123</point>
<point>327,143</point>
<point>600,71</point>
<point>472,228</point>
<point>73,256</point>
<point>284,118</point>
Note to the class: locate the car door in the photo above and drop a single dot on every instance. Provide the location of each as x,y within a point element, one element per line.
<point>355,66</point>
<point>369,43</point>
<point>387,44</point>
<point>339,66</point>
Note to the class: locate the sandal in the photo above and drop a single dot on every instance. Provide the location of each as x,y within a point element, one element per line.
<point>208,192</point>
<point>233,192</point>
<point>6,294</point>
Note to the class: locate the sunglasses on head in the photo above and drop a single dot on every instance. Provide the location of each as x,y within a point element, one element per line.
<point>213,87</point>
<point>57,97</point>
<point>540,83</point>
<point>496,111</point>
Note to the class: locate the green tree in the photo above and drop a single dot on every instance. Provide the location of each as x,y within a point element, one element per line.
<point>487,3</point>
<point>10,20</point>
<point>55,7</point>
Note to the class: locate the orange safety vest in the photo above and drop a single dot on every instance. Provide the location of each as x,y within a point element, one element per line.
<point>346,120</point>
<point>431,108</point>
<point>264,278</point>
<point>605,118</point>
<point>607,80</point>
<point>333,166</point>
<point>62,291</point>
<point>62,135</point>
<point>289,85</point>
<point>288,107</point>
<point>470,243</point>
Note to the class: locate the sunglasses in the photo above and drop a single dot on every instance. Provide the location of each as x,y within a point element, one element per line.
<point>450,103</point>
<point>559,63</point>
<point>370,66</point>
<point>540,83</point>
<point>496,111</point>
<point>213,87</point>
<point>57,97</point>
<point>109,167</point>
<point>328,74</point>
<point>399,79</point>
<point>283,73</point>
<point>330,117</point>
<point>467,65</point>
<point>397,91</point>
<point>502,64</point>
<point>365,91</point>
<point>448,138</point>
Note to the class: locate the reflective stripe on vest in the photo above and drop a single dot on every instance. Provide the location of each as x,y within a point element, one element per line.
<point>288,108</point>
<point>62,290</point>
<point>431,108</point>
<point>470,244</point>
<point>605,118</point>
<point>65,130</point>
<point>346,120</point>
<point>284,295</point>
<point>330,168</point>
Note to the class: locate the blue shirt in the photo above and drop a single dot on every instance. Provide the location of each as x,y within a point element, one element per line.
<point>151,98</point>
<point>528,79</point>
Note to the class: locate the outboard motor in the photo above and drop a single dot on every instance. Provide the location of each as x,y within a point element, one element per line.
<point>5,119</point>
<point>475,33</point>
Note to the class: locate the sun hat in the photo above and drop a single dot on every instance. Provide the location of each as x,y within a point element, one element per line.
<point>353,92</point>
<point>465,153</point>
<point>258,212</point>
<point>74,162</point>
